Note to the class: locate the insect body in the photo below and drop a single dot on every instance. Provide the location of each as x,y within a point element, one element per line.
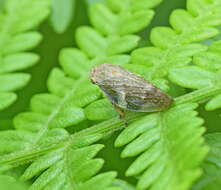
<point>129,91</point>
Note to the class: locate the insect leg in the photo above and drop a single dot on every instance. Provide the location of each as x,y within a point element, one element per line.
<point>121,114</point>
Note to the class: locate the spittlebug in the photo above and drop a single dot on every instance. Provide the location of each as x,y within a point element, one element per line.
<point>129,91</point>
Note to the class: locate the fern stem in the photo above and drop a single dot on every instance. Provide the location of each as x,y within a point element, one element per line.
<point>198,95</point>
<point>19,158</point>
<point>104,128</point>
<point>116,123</point>
<point>110,125</point>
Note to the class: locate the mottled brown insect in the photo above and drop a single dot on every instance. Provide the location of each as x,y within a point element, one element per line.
<point>129,91</point>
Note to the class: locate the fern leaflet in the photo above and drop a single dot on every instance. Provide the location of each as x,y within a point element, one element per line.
<point>70,167</point>
<point>211,166</point>
<point>40,136</point>
<point>18,20</point>
<point>174,46</point>
<point>206,68</point>
<point>168,154</point>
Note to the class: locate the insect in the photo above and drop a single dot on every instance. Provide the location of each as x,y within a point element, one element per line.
<point>128,91</point>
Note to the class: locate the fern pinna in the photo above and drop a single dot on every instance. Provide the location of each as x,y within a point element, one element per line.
<point>168,146</point>
<point>40,132</point>
<point>18,19</point>
<point>211,166</point>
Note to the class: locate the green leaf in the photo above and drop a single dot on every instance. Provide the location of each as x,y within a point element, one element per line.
<point>151,57</point>
<point>25,10</point>
<point>99,182</point>
<point>211,179</point>
<point>107,22</point>
<point>8,182</point>
<point>6,99</point>
<point>58,83</point>
<point>143,4</point>
<point>111,32</point>
<point>78,165</point>
<point>73,62</point>
<point>100,110</point>
<point>56,159</point>
<point>120,59</point>
<point>12,82</point>
<point>208,60</point>
<point>23,42</point>
<point>90,41</point>
<point>123,44</point>
<point>215,103</point>
<point>19,61</point>
<point>103,19</point>
<point>50,112</point>
<point>174,46</point>
<point>18,20</point>
<point>132,23</point>
<point>167,157</point>
<point>192,77</point>
<point>62,14</point>
<point>214,142</point>
<point>123,184</point>
<point>206,72</point>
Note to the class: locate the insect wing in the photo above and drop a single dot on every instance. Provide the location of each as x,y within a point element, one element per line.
<point>149,101</point>
<point>129,91</point>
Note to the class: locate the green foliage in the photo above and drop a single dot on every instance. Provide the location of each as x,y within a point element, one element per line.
<point>8,182</point>
<point>111,37</point>
<point>50,112</point>
<point>205,72</point>
<point>50,139</point>
<point>100,110</point>
<point>18,19</point>
<point>174,46</point>
<point>124,185</point>
<point>65,164</point>
<point>167,157</point>
<point>69,168</point>
<point>62,14</point>
<point>211,178</point>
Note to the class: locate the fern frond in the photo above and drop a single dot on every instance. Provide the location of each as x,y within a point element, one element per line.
<point>174,46</point>
<point>169,150</point>
<point>112,35</point>
<point>205,72</point>
<point>100,110</point>
<point>68,163</point>
<point>59,109</point>
<point>123,185</point>
<point>18,20</point>
<point>108,41</point>
<point>69,167</point>
<point>8,182</point>
<point>41,129</point>
<point>212,165</point>
<point>60,19</point>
